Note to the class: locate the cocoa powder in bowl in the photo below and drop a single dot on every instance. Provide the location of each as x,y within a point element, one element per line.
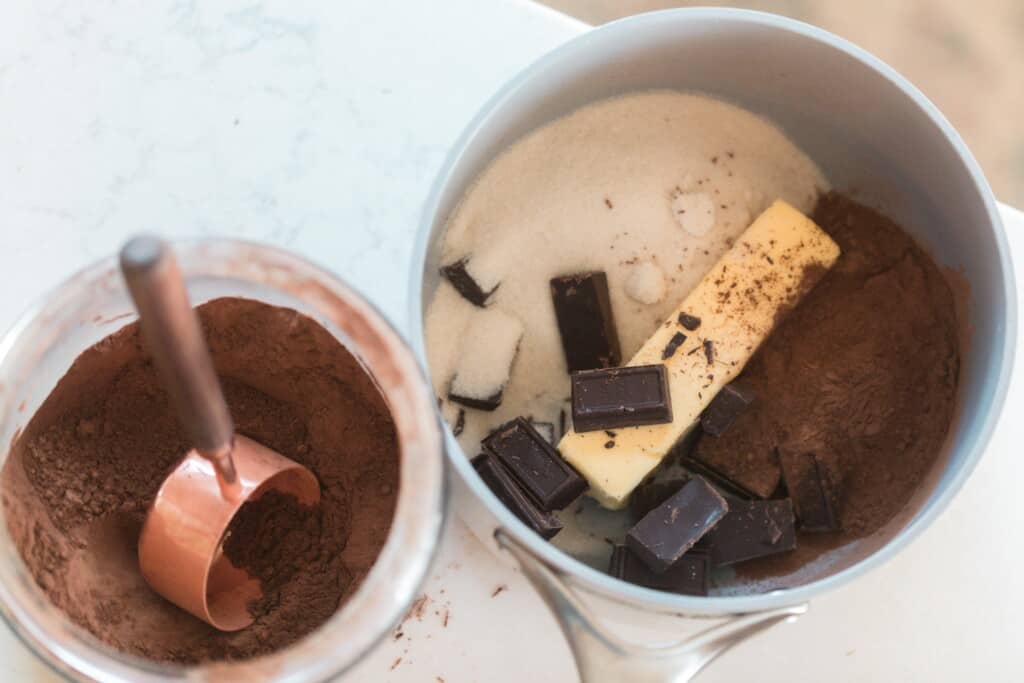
<point>77,482</point>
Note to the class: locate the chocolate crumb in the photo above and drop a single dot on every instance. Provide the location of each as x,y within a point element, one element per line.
<point>609,444</point>
<point>674,343</point>
<point>709,352</point>
<point>690,322</point>
<point>499,590</point>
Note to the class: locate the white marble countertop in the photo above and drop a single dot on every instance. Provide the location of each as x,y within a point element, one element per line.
<point>320,130</point>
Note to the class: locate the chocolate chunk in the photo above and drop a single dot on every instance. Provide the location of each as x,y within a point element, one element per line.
<point>543,473</point>
<point>508,491</point>
<point>457,274</point>
<point>460,423</point>
<point>709,351</point>
<point>620,397</point>
<point>725,407</point>
<point>690,322</point>
<point>674,343</point>
<point>814,490</point>
<point>688,576</point>
<point>584,312</point>
<point>651,494</point>
<point>722,482</point>
<point>669,530</point>
<point>753,529</point>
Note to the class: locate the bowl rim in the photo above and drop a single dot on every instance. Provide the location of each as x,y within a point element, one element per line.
<point>597,581</point>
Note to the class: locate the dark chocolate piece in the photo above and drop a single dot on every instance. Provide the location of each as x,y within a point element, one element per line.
<point>464,283</point>
<point>669,530</point>
<point>651,494</point>
<point>620,397</point>
<point>688,576</point>
<point>709,351</point>
<point>508,491</point>
<point>752,529</point>
<point>489,403</point>
<point>674,343</point>
<point>725,407</point>
<point>690,322</point>
<point>813,489</point>
<point>584,312</point>
<point>460,423</point>
<point>535,464</point>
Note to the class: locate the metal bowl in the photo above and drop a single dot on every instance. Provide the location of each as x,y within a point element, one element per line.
<point>869,130</point>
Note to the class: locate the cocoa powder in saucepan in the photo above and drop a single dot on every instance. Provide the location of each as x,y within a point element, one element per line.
<point>863,373</point>
<point>78,481</point>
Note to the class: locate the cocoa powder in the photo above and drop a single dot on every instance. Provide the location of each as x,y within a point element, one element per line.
<point>78,481</point>
<point>863,373</point>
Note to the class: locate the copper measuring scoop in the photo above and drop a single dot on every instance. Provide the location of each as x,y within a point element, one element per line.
<point>181,545</point>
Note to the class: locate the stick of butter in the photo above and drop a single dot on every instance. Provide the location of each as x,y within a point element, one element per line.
<point>706,343</point>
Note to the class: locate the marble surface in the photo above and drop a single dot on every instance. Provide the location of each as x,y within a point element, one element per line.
<point>320,130</point>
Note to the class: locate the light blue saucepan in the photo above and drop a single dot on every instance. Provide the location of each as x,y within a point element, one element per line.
<point>869,130</point>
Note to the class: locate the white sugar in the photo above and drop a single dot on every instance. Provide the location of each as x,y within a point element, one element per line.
<point>645,283</point>
<point>489,346</point>
<point>599,190</point>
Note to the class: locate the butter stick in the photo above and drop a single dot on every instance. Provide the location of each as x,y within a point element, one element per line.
<point>771,266</point>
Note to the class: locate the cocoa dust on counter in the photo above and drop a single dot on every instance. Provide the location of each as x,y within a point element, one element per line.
<point>78,481</point>
<point>863,373</point>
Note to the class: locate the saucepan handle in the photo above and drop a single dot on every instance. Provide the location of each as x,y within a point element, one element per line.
<point>601,656</point>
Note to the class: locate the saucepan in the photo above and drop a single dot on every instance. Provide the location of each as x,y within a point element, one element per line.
<point>871,132</point>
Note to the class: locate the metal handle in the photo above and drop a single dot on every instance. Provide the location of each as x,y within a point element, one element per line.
<point>172,331</point>
<point>601,656</point>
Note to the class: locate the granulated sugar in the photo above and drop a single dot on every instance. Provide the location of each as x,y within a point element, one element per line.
<point>601,189</point>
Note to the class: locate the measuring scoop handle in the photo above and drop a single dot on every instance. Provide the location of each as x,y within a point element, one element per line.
<point>176,342</point>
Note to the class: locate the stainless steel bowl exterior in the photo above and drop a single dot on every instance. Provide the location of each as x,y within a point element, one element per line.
<point>41,346</point>
<point>872,133</point>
